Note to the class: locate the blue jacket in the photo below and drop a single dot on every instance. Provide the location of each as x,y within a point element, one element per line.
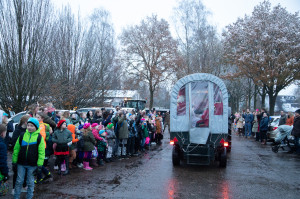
<point>3,158</point>
<point>264,124</point>
<point>248,118</point>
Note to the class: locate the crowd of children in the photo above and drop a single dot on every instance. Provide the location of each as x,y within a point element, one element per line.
<point>83,141</point>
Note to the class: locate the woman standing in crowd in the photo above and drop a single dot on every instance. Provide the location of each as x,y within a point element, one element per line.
<point>240,124</point>
<point>296,131</point>
<point>264,128</point>
<point>66,116</point>
<point>97,117</point>
<point>290,119</point>
<point>90,117</point>
<point>255,128</point>
<point>158,135</point>
<point>33,109</point>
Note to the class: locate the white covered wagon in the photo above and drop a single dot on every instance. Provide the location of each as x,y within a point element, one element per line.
<point>199,120</point>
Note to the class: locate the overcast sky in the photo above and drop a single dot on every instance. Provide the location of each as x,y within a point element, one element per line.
<point>131,12</point>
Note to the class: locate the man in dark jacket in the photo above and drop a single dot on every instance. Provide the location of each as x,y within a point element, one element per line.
<point>296,131</point>
<point>248,123</point>
<point>282,119</point>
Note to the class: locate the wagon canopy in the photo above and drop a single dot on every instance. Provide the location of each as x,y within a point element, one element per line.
<point>199,106</point>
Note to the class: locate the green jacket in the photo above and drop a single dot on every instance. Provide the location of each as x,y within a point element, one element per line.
<point>145,131</point>
<point>89,141</point>
<point>29,152</point>
<point>123,128</point>
<point>62,137</point>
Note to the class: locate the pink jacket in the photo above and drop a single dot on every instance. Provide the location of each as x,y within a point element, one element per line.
<point>96,135</point>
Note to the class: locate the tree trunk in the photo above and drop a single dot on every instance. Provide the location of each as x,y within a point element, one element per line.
<point>151,99</point>
<point>263,97</point>
<point>255,96</point>
<point>272,101</point>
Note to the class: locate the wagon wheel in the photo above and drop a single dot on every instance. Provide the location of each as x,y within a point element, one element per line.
<point>176,156</point>
<point>223,158</point>
<point>275,149</point>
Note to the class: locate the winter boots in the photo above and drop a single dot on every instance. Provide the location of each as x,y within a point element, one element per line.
<point>86,166</point>
<point>101,163</point>
<point>94,162</point>
<point>66,172</point>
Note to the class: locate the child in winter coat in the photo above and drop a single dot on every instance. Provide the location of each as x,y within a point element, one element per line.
<point>30,142</point>
<point>89,143</point>
<point>3,161</point>
<point>132,135</point>
<point>95,131</point>
<point>44,130</point>
<point>110,141</point>
<point>101,147</point>
<point>145,133</point>
<point>63,138</point>
<point>72,148</point>
<point>80,146</point>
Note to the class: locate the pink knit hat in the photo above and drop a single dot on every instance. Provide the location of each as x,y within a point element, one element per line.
<point>94,125</point>
<point>86,125</point>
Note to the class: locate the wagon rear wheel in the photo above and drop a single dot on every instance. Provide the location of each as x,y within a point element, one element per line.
<point>176,156</point>
<point>223,158</point>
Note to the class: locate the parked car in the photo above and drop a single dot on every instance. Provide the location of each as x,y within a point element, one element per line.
<point>93,109</point>
<point>273,125</point>
<point>15,120</point>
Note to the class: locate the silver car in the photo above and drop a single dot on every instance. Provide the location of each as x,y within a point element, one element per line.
<point>273,125</point>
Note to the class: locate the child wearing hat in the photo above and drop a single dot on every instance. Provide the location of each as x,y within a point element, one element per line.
<point>110,141</point>
<point>28,143</point>
<point>101,147</point>
<point>89,143</point>
<point>63,138</point>
<point>95,127</point>
<point>80,146</point>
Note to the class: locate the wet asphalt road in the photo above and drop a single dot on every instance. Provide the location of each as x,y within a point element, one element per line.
<point>253,171</point>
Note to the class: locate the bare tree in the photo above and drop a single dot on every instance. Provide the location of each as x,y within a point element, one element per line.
<point>199,44</point>
<point>265,47</point>
<point>83,57</point>
<point>105,51</point>
<point>149,52</point>
<point>25,27</point>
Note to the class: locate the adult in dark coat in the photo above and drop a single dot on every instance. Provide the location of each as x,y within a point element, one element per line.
<point>296,131</point>
<point>282,119</point>
<point>3,154</point>
<point>264,128</point>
